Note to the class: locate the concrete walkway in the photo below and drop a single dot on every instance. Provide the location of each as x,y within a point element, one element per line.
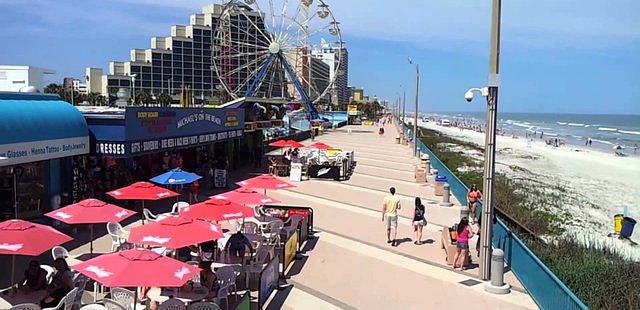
<point>352,267</point>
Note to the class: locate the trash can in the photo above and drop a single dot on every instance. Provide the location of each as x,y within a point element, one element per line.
<point>439,188</point>
<point>617,223</point>
<point>627,227</point>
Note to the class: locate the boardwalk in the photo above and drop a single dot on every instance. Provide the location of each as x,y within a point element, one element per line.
<point>352,267</point>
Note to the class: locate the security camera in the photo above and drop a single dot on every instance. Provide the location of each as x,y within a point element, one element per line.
<point>468,96</point>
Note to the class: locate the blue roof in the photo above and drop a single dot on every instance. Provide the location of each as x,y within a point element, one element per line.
<point>28,117</point>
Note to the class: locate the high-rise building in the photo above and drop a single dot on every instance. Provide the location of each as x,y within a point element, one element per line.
<point>313,73</point>
<point>16,78</point>
<point>338,60</point>
<point>181,61</point>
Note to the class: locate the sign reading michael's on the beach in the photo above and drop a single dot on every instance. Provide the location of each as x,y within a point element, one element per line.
<point>157,129</point>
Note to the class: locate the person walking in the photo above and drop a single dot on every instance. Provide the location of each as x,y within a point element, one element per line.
<point>390,207</point>
<point>462,243</point>
<point>419,220</point>
<point>194,189</point>
<point>472,199</point>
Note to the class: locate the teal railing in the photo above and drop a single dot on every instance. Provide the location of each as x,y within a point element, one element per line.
<point>543,285</point>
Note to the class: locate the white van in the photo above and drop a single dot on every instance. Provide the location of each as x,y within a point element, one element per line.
<point>445,122</point>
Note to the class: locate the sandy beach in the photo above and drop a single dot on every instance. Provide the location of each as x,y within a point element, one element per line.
<point>607,181</point>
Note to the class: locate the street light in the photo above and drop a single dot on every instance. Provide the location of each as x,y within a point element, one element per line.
<point>415,121</point>
<point>491,93</point>
<point>133,85</point>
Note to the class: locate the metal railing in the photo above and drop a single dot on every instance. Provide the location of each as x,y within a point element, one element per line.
<point>543,285</point>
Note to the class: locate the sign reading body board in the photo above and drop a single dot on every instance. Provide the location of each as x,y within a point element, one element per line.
<point>155,129</point>
<point>268,281</point>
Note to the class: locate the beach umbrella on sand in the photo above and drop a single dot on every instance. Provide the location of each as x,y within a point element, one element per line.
<point>90,211</point>
<point>176,177</point>
<point>245,196</point>
<point>217,210</point>
<point>175,232</point>
<point>18,237</point>
<point>142,191</point>
<point>265,181</point>
<point>137,268</point>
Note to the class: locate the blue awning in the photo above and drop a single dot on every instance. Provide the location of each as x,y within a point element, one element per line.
<point>28,117</point>
<point>35,127</point>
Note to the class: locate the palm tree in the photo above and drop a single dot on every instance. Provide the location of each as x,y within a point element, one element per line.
<point>164,100</point>
<point>142,98</point>
<point>93,98</point>
<point>53,88</point>
<point>101,100</point>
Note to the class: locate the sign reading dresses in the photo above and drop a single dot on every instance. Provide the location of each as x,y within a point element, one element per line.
<point>149,130</point>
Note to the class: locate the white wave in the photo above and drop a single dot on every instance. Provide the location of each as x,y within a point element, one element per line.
<point>577,137</point>
<point>602,141</point>
<point>587,126</point>
<point>551,134</point>
<point>637,133</point>
<point>561,123</point>
<point>607,129</point>
<point>521,125</point>
<point>576,124</point>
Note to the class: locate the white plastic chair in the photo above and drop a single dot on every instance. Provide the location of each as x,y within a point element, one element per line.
<point>80,283</point>
<point>272,232</point>
<point>179,206</point>
<point>172,304</point>
<point>150,217</point>
<point>250,228</point>
<point>93,307</point>
<point>255,266</point>
<point>204,305</point>
<point>226,276</point>
<point>125,297</point>
<point>118,235</point>
<point>66,303</point>
<point>59,252</point>
<point>25,307</point>
<point>50,271</point>
<point>257,211</point>
<point>223,293</point>
<point>111,304</point>
<point>293,222</point>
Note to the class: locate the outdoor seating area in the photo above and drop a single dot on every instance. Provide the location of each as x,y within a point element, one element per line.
<point>228,250</point>
<point>298,161</point>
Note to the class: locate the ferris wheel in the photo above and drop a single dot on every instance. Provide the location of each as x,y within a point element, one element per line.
<point>289,49</point>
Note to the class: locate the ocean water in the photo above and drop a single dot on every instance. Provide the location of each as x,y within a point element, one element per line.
<point>605,131</point>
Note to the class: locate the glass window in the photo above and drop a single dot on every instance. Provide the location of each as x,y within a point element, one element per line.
<point>197,45</point>
<point>166,63</point>
<point>188,51</point>
<point>156,56</point>
<point>197,32</point>
<point>177,43</point>
<point>166,57</point>
<point>188,64</point>
<point>146,76</point>
<point>146,69</point>
<point>177,57</point>
<point>197,58</point>
<point>177,51</point>
<point>157,84</point>
<point>145,84</point>
<point>186,44</point>
<point>177,71</point>
<point>157,69</point>
<point>135,69</point>
<point>31,195</point>
<point>125,83</point>
<point>157,77</point>
<point>188,71</point>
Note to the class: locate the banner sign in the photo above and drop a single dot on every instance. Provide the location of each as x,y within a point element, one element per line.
<point>352,109</point>
<point>269,277</point>
<point>32,151</point>
<point>290,249</point>
<point>324,172</point>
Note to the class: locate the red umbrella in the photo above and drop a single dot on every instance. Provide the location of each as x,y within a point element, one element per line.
<point>142,191</point>
<point>18,237</point>
<point>90,211</point>
<point>279,143</point>
<point>265,181</point>
<point>319,146</point>
<point>175,232</point>
<point>217,210</point>
<point>137,268</point>
<point>245,196</point>
<point>294,144</point>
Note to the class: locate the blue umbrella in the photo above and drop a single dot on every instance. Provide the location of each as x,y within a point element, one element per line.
<point>176,177</point>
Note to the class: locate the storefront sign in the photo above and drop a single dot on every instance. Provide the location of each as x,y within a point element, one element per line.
<point>324,172</point>
<point>290,249</point>
<point>268,281</point>
<point>27,152</point>
<point>108,148</point>
<point>219,178</point>
<point>296,172</point>
<point>147,123</point>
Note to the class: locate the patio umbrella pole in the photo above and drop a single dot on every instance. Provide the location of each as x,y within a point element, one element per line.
<point>91,238</point>
<point>13,269</point>
<point>142,212</point>
<point>135,298</point>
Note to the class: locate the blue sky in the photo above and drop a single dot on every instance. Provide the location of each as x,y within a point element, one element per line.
<point>566,56</point>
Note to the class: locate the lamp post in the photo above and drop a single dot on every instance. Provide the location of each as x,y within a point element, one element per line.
<point>415,121</point>
<point>491,93</point>
<point>133,85</point>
